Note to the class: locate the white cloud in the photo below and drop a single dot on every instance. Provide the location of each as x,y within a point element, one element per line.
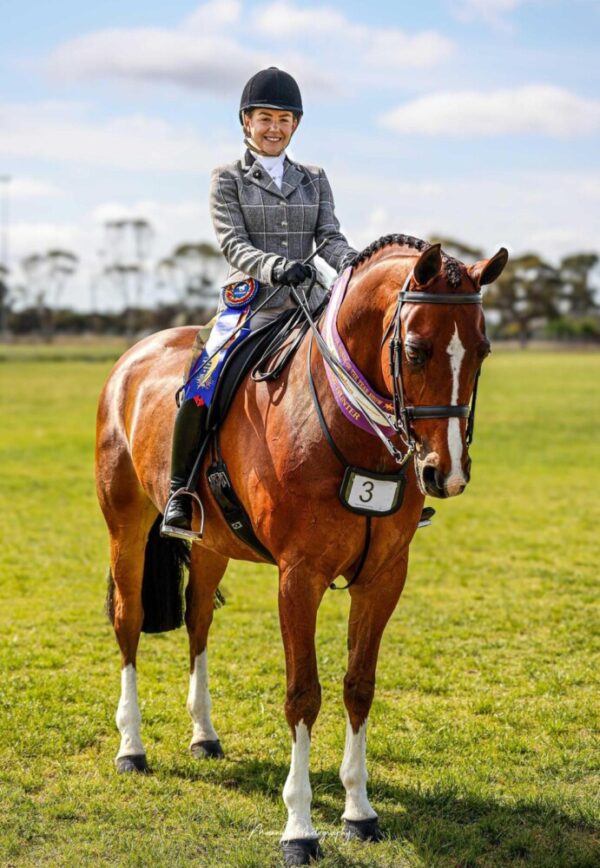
<point>217,47</point>
<point>379,47</point>
<point>62,132</point>
<point>204,53</point>
<point>492,11</point>
<point>31,188</point>
<point>537,108</point>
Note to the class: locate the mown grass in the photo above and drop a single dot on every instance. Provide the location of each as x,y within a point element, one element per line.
<point>483,739</point>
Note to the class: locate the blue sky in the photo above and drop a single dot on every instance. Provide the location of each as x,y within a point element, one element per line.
<point>478,119</point>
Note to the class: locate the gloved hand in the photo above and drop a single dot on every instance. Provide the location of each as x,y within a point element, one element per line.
<point>296,274</point>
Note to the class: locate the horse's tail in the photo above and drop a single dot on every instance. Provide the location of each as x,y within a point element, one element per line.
<point>162,586</point>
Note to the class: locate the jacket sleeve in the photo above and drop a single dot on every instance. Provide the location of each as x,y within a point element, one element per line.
<point>232,234</point>
<point>337,252</point>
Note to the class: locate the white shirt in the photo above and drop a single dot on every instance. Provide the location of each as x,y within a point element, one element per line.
<point>273,165</point>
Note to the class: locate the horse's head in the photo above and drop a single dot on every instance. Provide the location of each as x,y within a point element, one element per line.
<point>442,346</point>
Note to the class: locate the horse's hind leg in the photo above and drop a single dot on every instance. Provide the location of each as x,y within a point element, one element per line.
<point>206,571</point>
<point>370,610</point>
<point>128,539</point>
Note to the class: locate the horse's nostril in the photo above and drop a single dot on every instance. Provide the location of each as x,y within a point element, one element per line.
<point>433,480</point>
<point>429,475</point>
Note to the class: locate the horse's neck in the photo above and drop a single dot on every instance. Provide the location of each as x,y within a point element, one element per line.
<point>362,320</point>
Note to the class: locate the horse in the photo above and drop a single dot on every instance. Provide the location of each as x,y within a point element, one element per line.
<point>412,323</point>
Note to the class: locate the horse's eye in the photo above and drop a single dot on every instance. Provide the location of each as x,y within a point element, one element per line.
<point>484,349</point>
<point>415,355</point>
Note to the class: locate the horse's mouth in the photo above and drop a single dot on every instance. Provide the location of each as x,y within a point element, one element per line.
<point>433,483</point>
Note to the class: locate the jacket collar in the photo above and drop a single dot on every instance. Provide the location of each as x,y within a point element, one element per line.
<point>259,175</point>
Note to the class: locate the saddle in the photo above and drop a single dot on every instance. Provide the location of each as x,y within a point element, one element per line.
<point>266,352</point>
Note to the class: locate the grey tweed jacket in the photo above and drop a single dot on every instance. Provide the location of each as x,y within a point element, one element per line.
<point>262,229</point>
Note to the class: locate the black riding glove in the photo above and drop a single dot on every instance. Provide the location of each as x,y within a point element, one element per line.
<point>296,274</point>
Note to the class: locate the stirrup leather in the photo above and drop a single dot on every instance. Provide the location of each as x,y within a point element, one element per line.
<point>181,532</point>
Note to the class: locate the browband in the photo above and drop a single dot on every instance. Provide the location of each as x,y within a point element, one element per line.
<point>413,297</point>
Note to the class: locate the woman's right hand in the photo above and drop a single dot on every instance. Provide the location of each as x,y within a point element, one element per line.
<point>296,274</point>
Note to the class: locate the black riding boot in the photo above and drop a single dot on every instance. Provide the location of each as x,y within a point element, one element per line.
<point>188,433</point>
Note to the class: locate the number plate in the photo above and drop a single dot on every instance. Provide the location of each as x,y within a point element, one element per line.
<point>372,493</point>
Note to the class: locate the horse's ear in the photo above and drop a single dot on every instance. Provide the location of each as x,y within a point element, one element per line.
<point>488,270</point>
<point>429,264</point>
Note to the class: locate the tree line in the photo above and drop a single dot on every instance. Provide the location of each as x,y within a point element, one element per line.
<point>532,299</point>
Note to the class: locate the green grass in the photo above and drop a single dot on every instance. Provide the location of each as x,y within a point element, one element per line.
<point>483,738</point>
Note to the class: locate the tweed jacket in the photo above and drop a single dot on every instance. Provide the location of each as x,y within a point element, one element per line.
<point>262,229</point>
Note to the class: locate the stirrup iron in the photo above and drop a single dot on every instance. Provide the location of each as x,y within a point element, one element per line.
<point>181,532</point>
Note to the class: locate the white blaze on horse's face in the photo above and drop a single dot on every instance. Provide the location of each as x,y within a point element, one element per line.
<point>455,481</point>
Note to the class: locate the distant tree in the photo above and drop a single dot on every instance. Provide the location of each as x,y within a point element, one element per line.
<point>200,263</point>
<point>127,248</point>
<point>575,273</point>
<point>46,276</point>
<point>5,299</point>
<point>527,292</point>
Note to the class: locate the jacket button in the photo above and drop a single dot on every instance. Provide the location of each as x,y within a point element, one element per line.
<point>284,222</point>
<point>258,173</point>
<point>284,242</point>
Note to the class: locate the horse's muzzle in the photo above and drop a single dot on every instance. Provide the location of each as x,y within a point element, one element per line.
<point>435,483</point>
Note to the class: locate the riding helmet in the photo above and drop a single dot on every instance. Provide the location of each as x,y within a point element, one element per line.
<point>271,88</point>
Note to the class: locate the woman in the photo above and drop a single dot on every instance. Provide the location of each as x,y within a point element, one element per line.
<point>268,212</point>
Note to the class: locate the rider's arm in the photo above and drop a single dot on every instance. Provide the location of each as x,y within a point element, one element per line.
<point>336,252</point>
<point>232,235</point>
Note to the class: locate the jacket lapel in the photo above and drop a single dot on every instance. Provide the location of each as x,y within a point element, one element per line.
<point>259,175</point>
<point>291,178</point>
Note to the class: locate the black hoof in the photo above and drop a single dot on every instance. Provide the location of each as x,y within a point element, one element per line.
<point>363,830</point>
<point>301,851</point>
<point>134,763</point>
<point>207,750</point>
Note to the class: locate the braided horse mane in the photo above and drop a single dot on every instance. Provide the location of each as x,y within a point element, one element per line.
<point>452,267</point>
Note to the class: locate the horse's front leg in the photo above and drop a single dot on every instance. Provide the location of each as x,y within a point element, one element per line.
<point>127,550</point>
<point>206,571</point>
<point>300,593</point>
<point>371,607</point>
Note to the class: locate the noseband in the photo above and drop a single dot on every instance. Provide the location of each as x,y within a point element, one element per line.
<point>405,415</point>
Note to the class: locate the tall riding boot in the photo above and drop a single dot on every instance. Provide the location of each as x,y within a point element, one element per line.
<point>190,425</point>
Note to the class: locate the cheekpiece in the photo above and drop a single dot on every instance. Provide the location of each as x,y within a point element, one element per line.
<point>238,295</point>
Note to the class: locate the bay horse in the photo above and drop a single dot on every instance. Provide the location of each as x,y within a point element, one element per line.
<point>287,476</point>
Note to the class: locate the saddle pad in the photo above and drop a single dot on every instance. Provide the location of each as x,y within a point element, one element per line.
<point>240,360</point>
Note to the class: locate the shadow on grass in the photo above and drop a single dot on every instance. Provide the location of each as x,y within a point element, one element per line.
<point>441,825</point>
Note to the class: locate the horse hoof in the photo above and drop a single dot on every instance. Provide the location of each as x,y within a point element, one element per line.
<point>301,851</point>
<point>363,830</point>
<point>207,750</point>
<point>134,763</point>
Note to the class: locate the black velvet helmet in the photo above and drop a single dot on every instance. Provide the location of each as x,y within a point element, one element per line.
<point>271,88</point>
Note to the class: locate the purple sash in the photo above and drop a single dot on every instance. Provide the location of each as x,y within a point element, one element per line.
<point>349,404</point>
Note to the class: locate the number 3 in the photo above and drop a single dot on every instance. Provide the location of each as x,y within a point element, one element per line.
<point>368,485</point>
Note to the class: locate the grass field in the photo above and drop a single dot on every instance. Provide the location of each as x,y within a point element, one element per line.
<point>483,739</point>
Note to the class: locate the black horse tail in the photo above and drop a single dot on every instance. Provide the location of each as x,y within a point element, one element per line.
<point>165,559</point>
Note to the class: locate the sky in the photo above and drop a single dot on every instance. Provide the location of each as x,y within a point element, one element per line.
<point>474,119</point>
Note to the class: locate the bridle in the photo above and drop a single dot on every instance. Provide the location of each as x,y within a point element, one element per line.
<point>405,415</point>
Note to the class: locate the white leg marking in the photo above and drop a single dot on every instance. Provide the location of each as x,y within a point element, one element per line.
<point>353,774</point>
<point>129,719</point>
<point>456,478</point>
<point>297,793</point>
<point>198,701</point>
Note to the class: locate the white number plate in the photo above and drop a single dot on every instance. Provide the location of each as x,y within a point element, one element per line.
<point>369,494</point>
